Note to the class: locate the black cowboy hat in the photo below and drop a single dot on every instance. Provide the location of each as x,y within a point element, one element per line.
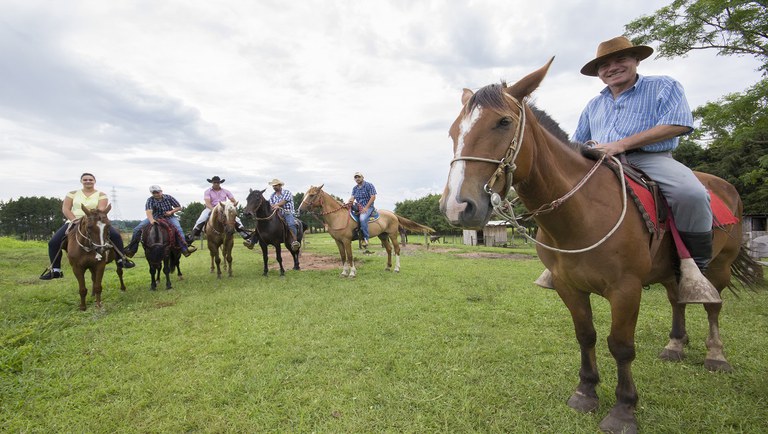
<point>216,179</point>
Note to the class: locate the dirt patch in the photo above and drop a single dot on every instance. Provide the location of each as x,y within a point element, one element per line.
<point>513,256</point>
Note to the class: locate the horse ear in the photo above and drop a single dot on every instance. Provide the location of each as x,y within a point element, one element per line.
<point>85,210</point>
<point>262,191</point>
<point>530,82</point>
<point>466,95</point>
<point>321,186</point>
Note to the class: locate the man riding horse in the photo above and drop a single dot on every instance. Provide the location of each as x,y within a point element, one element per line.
<point>281,199</point>
<point>212,197</point>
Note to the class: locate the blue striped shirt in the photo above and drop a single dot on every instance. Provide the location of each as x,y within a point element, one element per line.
<point>286,196</point>
<point>362,193</point>
<point>653,100</point>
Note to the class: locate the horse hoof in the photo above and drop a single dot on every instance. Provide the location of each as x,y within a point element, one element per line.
<point>671,355</point>
<point>583,403</point>
<point>717,365</point>
<point>624,424</point>
<point>81,308</point>
<point>397,270</point>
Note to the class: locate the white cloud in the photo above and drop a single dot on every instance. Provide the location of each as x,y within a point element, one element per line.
<point>175,92</point>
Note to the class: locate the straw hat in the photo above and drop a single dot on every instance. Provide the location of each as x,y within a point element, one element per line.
<point>275,182</point>
<point>614,46</point>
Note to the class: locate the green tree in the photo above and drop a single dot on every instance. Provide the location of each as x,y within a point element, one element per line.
<point>731,139</point>
<point>426,211</point>
<point>31,218</point>
<point>189,215</point>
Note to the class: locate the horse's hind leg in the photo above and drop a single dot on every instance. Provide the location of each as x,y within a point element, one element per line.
<point>678,336</point>
<point>388,247</point>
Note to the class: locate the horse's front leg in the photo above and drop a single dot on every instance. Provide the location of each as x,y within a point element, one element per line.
<point>351,260</point>
<point>167,272</point>
<point>213,260</point>
<point>388,247</point>
<point>625,306</point>
<point>715,360</point>
<point>264,255</point>
<point>343,255</point>
<point>152,272</point>
<point>228,258</point>
<point>678,336</point>
<point>97,274</point>
<point>279,256</point>
<point>584,399</point>
<point>80,275</point>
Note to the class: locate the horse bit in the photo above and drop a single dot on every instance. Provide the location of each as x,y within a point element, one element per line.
<point>505,207</point>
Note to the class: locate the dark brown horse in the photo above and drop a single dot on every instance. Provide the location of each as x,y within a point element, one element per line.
<point>272,229</point>
<point>219,232</point>
<point>161,252</point>
<point>498,144</point>
<point>88,248</point>
<point>342,228</point>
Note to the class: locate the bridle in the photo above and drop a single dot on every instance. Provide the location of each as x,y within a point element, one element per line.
<point>259,205</point>
<point>222,218</point>
<point>317,202</point>
<point>505,207</point>
<point>82,238</point>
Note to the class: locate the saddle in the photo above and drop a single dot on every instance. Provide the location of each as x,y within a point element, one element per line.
<point>646,195</point>
<point>170,229</point>
<point>355,210</point>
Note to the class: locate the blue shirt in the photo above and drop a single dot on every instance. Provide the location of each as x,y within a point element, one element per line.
<point>286,196</point>
<point>160,207</point>
<point>651,101</point>
<point>362,193</point>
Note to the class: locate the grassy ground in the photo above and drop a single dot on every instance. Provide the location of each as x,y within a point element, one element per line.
<point>450,344</point>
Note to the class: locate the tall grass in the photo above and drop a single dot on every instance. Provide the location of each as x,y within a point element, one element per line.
<point>450,344</point>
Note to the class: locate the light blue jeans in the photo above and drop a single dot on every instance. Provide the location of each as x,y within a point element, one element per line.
<point>364,216</point>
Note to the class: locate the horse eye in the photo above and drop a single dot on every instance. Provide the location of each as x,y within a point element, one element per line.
<point>505,122</point>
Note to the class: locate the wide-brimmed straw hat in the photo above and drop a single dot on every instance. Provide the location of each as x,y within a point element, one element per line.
<point>275,182</point>
<point>617,45</point>
<point>216,179</point>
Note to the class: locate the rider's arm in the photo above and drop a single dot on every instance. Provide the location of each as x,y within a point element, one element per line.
<point>208,203</point>
<point>66,208</point>
<point>370,202</point>
<point>149,216</point>
<point>647,137</point>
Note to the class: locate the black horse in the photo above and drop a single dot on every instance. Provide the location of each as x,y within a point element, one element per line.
<point>161,252</point>
<point>272,229</point>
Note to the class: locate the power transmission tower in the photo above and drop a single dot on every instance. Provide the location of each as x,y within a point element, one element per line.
<point>116,214</point>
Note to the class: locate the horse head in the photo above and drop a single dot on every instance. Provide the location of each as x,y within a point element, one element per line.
<point>489,156</point>
<point>312,198</point>
<point>227,213</point>
<point>255,202</point>
<point>94,230</point>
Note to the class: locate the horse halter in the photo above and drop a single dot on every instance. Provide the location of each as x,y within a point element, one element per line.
<point>507,164</point>
<point>79,235</point>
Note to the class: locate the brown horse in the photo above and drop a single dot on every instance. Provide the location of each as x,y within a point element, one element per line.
<point>498,144</point>
<point>88,248</point>
<point>219,231</point>
<point>341,226</point>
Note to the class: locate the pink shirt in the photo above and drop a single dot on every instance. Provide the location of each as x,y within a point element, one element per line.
<point>217,196</point>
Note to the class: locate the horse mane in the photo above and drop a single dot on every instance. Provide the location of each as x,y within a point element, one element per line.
<point>492,97</point>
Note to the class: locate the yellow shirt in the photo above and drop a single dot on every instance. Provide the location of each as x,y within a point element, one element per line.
<point>90,202</point>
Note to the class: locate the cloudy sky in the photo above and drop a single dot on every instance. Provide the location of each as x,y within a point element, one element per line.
<point>173,92</point>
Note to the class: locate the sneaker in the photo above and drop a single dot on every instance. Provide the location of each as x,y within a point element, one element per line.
<point>125,263</point>
<point>49,275</point>
<point>295,245</point>
<point>249,244</point>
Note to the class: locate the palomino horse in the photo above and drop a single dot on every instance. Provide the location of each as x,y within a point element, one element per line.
<point>160,252</point>
<point>498,144</point>
<point>219,231</point>
<point>272,229</point>
<point>88,248</point>
<point>341,226</point>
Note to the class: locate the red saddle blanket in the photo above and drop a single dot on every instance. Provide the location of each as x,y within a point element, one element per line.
<point>721,214</point>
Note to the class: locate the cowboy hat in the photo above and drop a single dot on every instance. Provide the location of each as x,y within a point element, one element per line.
<point>617,45</point>
<point>216,179</point>
<point>275,182</point>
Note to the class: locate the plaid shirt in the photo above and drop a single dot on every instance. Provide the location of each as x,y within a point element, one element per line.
<point>653,100</point>
<point>363,193</point>
<point>160,207</point>
<point>286,196</point>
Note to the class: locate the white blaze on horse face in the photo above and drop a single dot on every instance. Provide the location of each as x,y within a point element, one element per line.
<point>101,226</point>
<point>453,208</point>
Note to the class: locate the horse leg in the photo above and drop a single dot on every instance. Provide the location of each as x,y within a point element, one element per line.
<point>153,285</point>
<point>715,360</point>
<point>584,399</point>
<point>97,274</point>
<point>678,336</point>
<point>388,247</point>
<point>279,255</point>
<point>218,264</point>
<point>625,307</point>
<point>166,271</point>
<point>396,246</point>
<point>351,260</point>
<point>120,276</point>
<point>80,275</point>
<point>264,255</point>
<point>213,258</point>
<point>228,257</point>
<point>343,255</point>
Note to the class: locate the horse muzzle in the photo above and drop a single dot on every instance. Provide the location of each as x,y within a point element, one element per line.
<point>465,212</point>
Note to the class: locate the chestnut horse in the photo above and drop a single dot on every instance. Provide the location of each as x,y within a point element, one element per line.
<point>499,143</point>
<point>88,248</point>
<point>341,226</point>
<point>219,231</point>
<point>272,229</point>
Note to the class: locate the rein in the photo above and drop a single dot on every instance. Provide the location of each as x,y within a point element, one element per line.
<point>325,213</point>
<point>259,206</point>
<point>505,207</point>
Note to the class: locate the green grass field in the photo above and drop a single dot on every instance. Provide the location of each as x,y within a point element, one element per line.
<point>450,344</point>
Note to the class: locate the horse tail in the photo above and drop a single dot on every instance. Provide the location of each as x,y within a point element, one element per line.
<point>747,271</point>
<point>412,226</point>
